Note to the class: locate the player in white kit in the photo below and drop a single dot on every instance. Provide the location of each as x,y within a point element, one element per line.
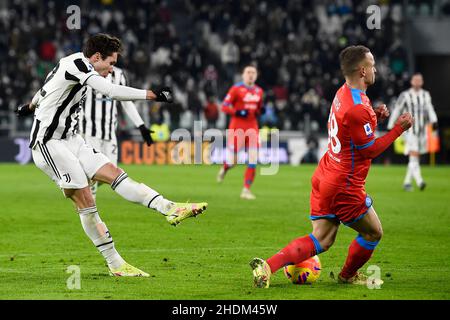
<point>98,120</point>
<point>63,155</point>
<point>416,101</point>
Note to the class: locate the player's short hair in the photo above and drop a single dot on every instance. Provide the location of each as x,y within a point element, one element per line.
<point>249,66</point>
<point>103,43</point>
<point>350,57</point>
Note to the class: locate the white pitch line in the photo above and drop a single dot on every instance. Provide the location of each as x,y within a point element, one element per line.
<point>133,251</point>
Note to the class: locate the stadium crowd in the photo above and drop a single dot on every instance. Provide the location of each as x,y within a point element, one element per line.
<point>199,48</point>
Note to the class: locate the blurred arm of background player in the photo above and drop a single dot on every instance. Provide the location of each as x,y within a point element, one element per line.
<point>399,104</point>
<point>430,109</point>
<point>130,109</point>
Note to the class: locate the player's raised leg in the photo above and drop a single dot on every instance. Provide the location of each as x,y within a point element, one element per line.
<point>320,240</point>
<point>146,196</point>
<point>229,163</point>
<point>361,249</point>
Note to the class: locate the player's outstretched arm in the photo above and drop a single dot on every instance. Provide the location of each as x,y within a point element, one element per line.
<point>124,93</point>
<point>28,108</point>
<point>24,110</point>
<point>403,123</point>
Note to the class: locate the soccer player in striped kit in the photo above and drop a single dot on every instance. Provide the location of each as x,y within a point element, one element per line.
<point>98,121</point>
<point>63,155</point>
<point>416,101</point>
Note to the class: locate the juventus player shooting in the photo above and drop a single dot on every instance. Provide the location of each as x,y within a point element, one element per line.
<point>416,101</point>
<point>99,120</point>
<point>63,155</point>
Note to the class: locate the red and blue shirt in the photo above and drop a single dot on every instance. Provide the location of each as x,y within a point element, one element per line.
<point>243,97</point>
<point>351,127</point>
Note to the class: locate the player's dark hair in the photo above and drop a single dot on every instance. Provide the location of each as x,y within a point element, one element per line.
<point>350,58</point>
<point>103,43</point>
<point>251,65</point>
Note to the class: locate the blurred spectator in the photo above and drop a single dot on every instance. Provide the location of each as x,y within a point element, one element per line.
<point>230,58</point>
<point>295,45</point>
<point>211,112</point>
<point>313,147</point>
<point>269,117</point>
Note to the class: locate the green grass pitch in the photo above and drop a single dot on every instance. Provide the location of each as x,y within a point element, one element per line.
<point>207,257</point>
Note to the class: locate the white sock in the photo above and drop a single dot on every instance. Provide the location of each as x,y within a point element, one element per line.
<point>416,170</point>
<point>140,193</point>
<point>408,176</point>
<point>97,231</point>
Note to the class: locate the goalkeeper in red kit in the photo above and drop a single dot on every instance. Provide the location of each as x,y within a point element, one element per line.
<point>338,194</point>
<point>243,103</point>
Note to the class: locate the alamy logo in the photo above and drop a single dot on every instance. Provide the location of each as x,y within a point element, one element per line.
<point>74,280</point>
<point>374,19</point>
<point>74,20</point>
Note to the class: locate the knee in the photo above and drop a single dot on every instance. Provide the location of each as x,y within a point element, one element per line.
<point>374,235</point>
<point>81,197</point>
<point>108,173</point>
<point>325,242</point>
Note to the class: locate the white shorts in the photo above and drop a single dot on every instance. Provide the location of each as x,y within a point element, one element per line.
<point>108,148</point>
<point>414,143</point>
<point>68,162</point>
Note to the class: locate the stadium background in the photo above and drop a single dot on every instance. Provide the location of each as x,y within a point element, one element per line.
<point>199,48</point>
<point>296,44</point>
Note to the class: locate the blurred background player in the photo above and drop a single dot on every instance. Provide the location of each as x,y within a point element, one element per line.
<point>243,103</point>
<point>98,121</point>
<point>338,193</point>
<point>416,101</point>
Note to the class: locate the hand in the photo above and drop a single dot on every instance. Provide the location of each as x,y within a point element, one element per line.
<point>163,94</point>
<point>23,110</point>
<point>405,121</point>
<point>382,112</point>
<point>241,113</point>
<point>146,134</point>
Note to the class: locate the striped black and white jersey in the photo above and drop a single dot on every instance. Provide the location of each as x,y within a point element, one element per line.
<point>59,100</point>
<point>99,113</point>
<point>418,103</point>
